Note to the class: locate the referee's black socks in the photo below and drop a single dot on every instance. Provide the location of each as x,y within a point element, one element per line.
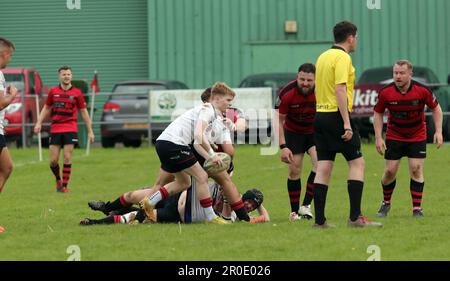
<point>320,197</point>
<point>355,189</point>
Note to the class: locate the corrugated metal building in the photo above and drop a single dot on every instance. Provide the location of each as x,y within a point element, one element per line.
<point>201,41</point>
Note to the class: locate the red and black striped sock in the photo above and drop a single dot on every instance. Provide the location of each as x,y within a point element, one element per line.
<point>309,194</point>
<point>55,171</point>
<point>117,204</point>
<point>294,189</point>
<point>388,189</point>
<point>67,169</point>
<point>239,208</point>
<point>416,189</point>
<point>320,198</point>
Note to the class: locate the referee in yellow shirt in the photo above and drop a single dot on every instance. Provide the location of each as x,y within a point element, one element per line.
<point>334,133</point>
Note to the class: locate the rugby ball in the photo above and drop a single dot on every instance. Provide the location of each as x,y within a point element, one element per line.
<point>213,169</point>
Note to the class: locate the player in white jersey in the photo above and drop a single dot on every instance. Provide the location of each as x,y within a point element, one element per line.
<point>177,157</point>
<point>7,95</point>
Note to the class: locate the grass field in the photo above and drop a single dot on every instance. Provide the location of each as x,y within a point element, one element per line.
<point>41,224</point>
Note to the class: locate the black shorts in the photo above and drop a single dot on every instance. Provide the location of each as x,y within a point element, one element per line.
<point>174,158</point>
<point>168,210</point>
<point>63,139</point>
<point>395,150</point>
<point>202,160</point>
<point>298,143</point>
<point>328,129</point>
<point>2,142</point>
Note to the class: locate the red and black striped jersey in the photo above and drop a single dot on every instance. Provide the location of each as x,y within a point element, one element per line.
<point>64,107</point>
<point>300,109</point>
<point>406,111</point>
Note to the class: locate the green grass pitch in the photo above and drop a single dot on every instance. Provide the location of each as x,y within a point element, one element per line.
<point>42,224</point>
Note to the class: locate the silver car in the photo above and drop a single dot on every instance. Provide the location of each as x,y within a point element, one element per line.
<point>125,112</point>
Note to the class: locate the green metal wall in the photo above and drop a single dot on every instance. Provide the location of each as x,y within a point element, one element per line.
<point>201,41</point>
<point>107,36</point>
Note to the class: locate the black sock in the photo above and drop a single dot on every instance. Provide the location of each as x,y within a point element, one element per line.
<point>117,204</point>
<point>355,189</point>
<point>106,220</point>
<point>309,194</point>
<point>140,216</point>
<point>294,189</point>
<point>416,189</point>
<point>55,171</point>
<point>320,197</point>
<point>388,189</point>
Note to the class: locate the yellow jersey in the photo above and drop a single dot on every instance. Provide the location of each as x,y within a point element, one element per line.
<point>333,67</point>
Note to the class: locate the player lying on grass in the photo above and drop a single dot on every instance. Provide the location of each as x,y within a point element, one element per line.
<point>185,207</point>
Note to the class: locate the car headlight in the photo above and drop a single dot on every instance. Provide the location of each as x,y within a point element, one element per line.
<point>13,108</point>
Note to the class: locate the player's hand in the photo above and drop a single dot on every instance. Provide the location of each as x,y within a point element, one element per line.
<point>438,139</point>
<point>216,160</point>
<point>37,128</point>
<point>380,145</point>
<point>91,137</point>
<point>287,156</point>
<point>229,123</point>
<point>348,134</point>
<point>12,91</point>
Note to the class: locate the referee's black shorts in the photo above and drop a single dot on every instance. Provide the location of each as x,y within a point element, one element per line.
<point>328,130</point>
<point>298,143</point>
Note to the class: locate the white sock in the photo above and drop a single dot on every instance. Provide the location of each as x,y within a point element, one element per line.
<point>209,212</point>
<point>128,217</point>
<point>155,198</point>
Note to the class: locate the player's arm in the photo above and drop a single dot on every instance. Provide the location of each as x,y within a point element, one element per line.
<point>378,129</point>
<point>45,112</point>
<point>201,143</point>
<point>286,153</point>
<point>437,119</point>
<point>6,100</point>
<point>341,97</point>
<point>263,212</point>
<point>228,149</point>
<point>85,115</point>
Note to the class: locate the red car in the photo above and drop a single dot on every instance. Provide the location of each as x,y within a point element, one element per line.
<point>23,108</point>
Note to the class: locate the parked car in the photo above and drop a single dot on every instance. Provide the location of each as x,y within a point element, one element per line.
<point>374,79</point>
<point>127,107</point>
<point>23,109</point>
<point>274,80</point>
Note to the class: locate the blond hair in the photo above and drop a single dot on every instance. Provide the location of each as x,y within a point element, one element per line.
<point>404,62</point>
<point>221,89</point>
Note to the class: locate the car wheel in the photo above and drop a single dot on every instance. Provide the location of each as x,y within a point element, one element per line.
<point>132,143</point>
<point>108,142</point>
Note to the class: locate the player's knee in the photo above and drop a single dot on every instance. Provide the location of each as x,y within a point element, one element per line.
<point>7,169</point>
<point>53,162</point>
<point>67,158</point>
<point>294,175</point>
<point>389,174</point>
<point>416,171</point>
